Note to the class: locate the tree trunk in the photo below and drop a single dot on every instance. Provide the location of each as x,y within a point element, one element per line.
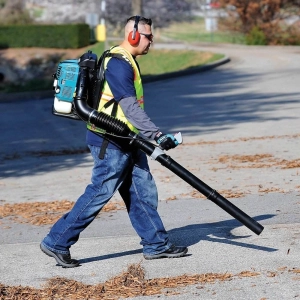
<point>136,7</point>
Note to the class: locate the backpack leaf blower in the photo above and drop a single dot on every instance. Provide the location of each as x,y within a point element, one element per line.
<point>88,63</point>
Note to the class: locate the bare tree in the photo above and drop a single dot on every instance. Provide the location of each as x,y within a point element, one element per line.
<point>13,12</point>
<point>264,17</point>
<point>136,7</point>
<point>162,12</point>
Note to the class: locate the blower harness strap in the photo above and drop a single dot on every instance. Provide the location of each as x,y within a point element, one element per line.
<point>113,114</point>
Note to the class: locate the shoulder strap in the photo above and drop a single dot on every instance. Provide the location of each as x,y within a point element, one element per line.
<point>97,79</point>
<point>100,83</point>
<point>113,114</point>
<point>101,61</point>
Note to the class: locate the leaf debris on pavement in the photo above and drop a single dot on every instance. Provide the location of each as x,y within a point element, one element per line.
<point>44,213</point>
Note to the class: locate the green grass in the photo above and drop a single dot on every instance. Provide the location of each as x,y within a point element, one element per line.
<point>157,61</point>
<point>165,61</point>
<point>30,85</point>
<point>194,31</point>
<point>154,63</point>
<point>97,48</point>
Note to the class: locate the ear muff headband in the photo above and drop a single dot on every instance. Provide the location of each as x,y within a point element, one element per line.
<point>134,35</point>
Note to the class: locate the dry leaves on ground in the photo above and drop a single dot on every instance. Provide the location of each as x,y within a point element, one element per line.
<point>246,139</point>
<point>44,213</point>
<point>130,283</point>
<point>264,160</point>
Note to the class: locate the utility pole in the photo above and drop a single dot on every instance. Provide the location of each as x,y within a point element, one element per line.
<point>136,7</point>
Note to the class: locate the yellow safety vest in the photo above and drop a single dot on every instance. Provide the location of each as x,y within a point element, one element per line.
<point>107,95</point>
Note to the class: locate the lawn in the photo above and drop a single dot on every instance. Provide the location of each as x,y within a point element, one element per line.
<point>156,62</point>
<point>195,32</point>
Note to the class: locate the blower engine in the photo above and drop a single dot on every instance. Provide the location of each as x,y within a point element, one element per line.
<point>66,79</point>
<point>64,85</point>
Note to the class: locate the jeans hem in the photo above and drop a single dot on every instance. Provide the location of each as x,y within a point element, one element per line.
<point>168,246</point>
<point>55,250</point>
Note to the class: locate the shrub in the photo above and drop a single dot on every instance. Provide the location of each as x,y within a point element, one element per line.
<point>46,36</point>
<point>256,37</point>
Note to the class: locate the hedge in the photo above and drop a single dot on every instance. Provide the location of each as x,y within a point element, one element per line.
<point>46,36</point>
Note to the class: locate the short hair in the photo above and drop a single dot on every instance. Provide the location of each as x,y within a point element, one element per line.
<point>144,21</point>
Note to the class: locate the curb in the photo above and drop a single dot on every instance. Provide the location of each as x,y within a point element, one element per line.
<point>189,71</point>
<point>40,95</point>
<point>25,96</point>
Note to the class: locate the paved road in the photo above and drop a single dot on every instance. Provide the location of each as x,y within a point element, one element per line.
<point>240,124</point>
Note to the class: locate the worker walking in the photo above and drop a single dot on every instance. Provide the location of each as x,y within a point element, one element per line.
<point>118,166</point>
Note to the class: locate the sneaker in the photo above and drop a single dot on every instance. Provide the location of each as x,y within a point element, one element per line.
<point>172,252</point>
<point>63,260</point>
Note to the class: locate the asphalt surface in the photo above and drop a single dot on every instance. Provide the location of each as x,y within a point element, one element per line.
<point>240,124</point>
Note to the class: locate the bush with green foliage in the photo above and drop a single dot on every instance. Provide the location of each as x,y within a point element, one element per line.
<point>256,37</point>
<point>47,36</point>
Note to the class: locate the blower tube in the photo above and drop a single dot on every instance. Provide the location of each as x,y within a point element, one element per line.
<point>118,127</point>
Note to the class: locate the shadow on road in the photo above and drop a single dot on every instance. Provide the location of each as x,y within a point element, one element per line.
<point>212,101</point>
<point>218,232</point>
<point>195,104</point>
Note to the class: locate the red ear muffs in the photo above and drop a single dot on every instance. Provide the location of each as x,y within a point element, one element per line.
<point>134,38</point>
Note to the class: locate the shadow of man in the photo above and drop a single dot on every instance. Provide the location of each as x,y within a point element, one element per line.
<point>218,232</point>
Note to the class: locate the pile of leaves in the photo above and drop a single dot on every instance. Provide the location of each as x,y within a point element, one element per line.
<point>130,283</point>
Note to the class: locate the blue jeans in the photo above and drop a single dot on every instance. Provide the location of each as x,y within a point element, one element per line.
<point>124,171</point>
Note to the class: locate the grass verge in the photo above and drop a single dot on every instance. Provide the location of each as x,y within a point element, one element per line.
<point>28,86</point>
<point>195,32</point>
<point>155,63</point>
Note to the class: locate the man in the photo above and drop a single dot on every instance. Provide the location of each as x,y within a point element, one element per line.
<point>116,165</point>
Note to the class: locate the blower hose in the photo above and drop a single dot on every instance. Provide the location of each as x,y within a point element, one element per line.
<point>118,127</point>
<point>87,114</point>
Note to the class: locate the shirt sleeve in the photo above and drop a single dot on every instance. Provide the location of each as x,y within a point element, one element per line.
<point>120,78</point>
<point>138,117</point>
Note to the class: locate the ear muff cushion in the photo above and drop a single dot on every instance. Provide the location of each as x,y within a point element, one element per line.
<point>134,41</point>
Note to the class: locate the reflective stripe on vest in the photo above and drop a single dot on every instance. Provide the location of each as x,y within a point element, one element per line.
<point>107,94</point>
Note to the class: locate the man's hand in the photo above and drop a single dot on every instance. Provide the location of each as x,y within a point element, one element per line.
<point>166,141</point>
